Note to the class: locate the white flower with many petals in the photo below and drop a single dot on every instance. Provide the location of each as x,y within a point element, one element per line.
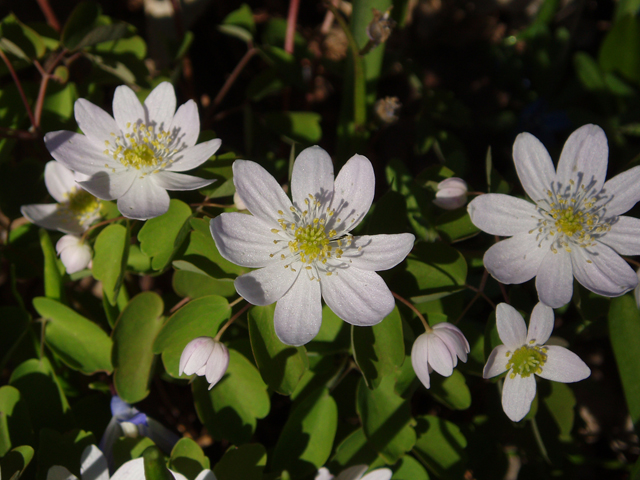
<point>76,209</point>
<point>303,250</point>
<point>525,354</point>
<point>205,356</point>
<point>74,253</point>
<point>134,156</point>
<point>573,229</point>
<point>355,473</point>
<point>438,350</point>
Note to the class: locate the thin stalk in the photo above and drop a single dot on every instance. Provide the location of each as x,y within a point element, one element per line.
<point>180,304</point>
<point>93,227</point>
<point>49,14</point>
<point>415,310</point>
<point>538,437</point>
<point>292,19</point>
<point>231,320</point>
<point>16,80</point>
<point>235,302</point>
<point>234,75</point>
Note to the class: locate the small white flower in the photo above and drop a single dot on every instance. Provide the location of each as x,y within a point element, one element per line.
<point>438,350</point>
<point>77,209</point>
<point>575,227</point>
<point>451,194</point>
<point>205,356</point>
<point>355,473</point>
<point>134,156</point>
<point>524,354</point>
<point>303,250</point>
<point>74,253</point>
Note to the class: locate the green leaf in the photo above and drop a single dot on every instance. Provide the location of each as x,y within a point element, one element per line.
<point>353,450</point>
<point>281,366</point>
<point>246,462</point>
<point>65,449</point>
<point>188,458</point>
<point>103,33</point>
<point>409,469</point>
<point>202,317</point>
<point>440,446</point>
<point>451,391</point>
<point>133,338</point>
<point>561,403</point>
<point>307,438</point>
<point>59,102</point>
<point>155,467</point>
<point>301,127</point>
<point>15,462</point>
<point>80,23</point>
<point>379,350</point>
<point>114,67</point>
<point>127,448</point>
<point>237,32</point>
<point>14,322</point>
<point>161,236</point>
<point>230,409</point>
<point>588,71</point>
<point>242,17</point>
<point>624,332</point>
<point>79,342</point>
<point>111,251</point>
<point>15,424</point>
<point>20,40</point>
<point>620,49</point>
<point>53,287</point>
<point>455,225</point>
<point>190,281</point>
<point>386,419</point>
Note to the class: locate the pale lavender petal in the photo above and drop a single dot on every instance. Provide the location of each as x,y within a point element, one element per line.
<point>602,271</point>
<point>131,470</point>
<point>584,158</point>
<point>59,180</point>
<point>452,329</point>
<point>353,193</point>
<point>95,123</point>
<point>193,157</point>
<point>420,359</point>
<point>358,297</point>
<point>440,357</point>
<point>511,326</point>
<point>144,200</point>
<point>58,472</point>
<point>455,341</point>
<point>127,108</point>
<point>195,355</point>
<point>312,175</point>
<point>378,252</point>
<point>516,259</point>
<point>323,474</point>
<point>534,166</point>
<point>51,217</point>
<point>563,365</point>
<point>161,106</point>
<point>379,474</point>
<point>624,236</point>
<point>186,122</point>
<point>353,473</point>
<point>93,464</point>
<point>298,314</point>
<point>110,186</point>
<point>206,474</point>
<point>517,394</point>
<point>179,181</point>
<point>503,215</point>
<point>555,278</point>
<point>497,361</point>
<point>78,153</point>
<point>540,324</point>
<point>217,364</point>
<point>622,192</point>
<point>266,285</point>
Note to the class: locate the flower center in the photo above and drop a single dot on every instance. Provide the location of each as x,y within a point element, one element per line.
<point>139,156</point>
<point>570,222</point>
<point>526,360</point>
<point>312,242</point>
<point>82,203</point>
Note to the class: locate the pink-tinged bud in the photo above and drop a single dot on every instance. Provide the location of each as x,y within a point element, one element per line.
<point>451,194</point>
<point>438,350</point>
<point>205,356</point>
<point>74,253</point>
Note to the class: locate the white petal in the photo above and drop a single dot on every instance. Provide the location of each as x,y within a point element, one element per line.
<point>246,240</point>
<point>461,340</point>
<point>540,324</point>
<point>206,474</point>
<point>584,157</point>
<point>195,355</point>
<point>59,180</point>
<point>516,259</point>
<point>94,122</point>
<point>503,215</point>
<point>353,473</point>
<point>144,200</point>
<point>187,123</point>
<point>497,361</point>
<point>353,193</point>
<point>511,326</point>
<point>179,181</point>
<point>603,271</point>
<point>323,474</point>
<point>109,186</point>
<point>517,395</point>
<point>554,281</point>
<point>126,107</point>
<point>58,472</point>
<point>217,364</point>
<point>131,470</point>
<point>379,474</point>
<point>298,314</point>
<point>74,254</point>
<point>312,175</point>
<point>378,252</point>
<point>260,192</point>
<point>178,476</point>
<point>622,192</point>
<point>93,464</point>
<point>49,216</point>
<point>161,106</point>
<point>357,296</point>
<point>440,357</point>
<point>420,359</point>
<point>78,153</point>
<point>624,236</point>
<point>193,157</point>
<point>534,166</point>
<point>454,340</point>
<point>266,285</point>
<point>563,365</point>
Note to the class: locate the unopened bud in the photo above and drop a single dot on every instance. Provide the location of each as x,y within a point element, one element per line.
<point>74,253</point>
<point>387,109</point>
<point>237,201</point>
<point>205,356</point>
<point>451,194</point>
<point>380,27</point>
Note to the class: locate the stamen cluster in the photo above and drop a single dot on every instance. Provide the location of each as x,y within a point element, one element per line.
<point>526,360</point>
<point>81,205</point>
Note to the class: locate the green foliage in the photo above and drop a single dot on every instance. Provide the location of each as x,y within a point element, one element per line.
<point>111,251</point>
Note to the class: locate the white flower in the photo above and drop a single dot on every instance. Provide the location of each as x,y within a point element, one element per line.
<point>438,350</point>
<point>134,156</point>
<point>573,229</point>
<point>205,356</point>
<point>636,292</point>
<point>524,354</point>
<point>355,473</point>
<point>74,253</point>
<point>451,194</point>
<point>303,251</point>
<point>77,209</point>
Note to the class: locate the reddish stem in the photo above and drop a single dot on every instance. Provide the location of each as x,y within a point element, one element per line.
<point>292,19</point>
<point>234,75</point>
<point>49,14</point>
<point>20,90</point>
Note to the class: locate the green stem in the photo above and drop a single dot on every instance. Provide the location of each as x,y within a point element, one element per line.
<point>538,437</point>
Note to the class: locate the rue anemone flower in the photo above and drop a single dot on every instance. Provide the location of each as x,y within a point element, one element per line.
<point>575,228</point>
<point>355,473</point>
<point>524,354</point>
<point>303,250</point>
<point>134,156</point>
<point>205,356</point>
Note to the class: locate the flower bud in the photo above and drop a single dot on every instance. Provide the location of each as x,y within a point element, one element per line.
<point>74,253</point>
<point>205,356</point>
<point>387,109</point>
<point>380,27</point>
<point>451,194</point>
<point>237,201</point>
